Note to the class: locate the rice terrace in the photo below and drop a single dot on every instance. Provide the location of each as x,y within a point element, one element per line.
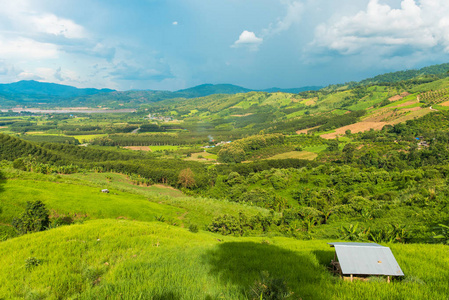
<point>131,167</point>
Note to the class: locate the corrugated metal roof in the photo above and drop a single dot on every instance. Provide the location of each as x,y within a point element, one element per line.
<point>366,259</point>
<point>355,244</point>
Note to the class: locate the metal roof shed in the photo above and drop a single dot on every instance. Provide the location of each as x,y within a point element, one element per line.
<point>365,259</point>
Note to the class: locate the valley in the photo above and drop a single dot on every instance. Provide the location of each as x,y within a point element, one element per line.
<point>225,195</point>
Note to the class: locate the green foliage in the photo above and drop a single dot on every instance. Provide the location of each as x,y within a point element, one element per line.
<point>389,234</point>
<point>35,218</point>
<point>353,233</point>
<point>32,262</point>
<point>239,150</point>
<point>443,237</point>
<point>269,288</point>
<point>160,218</point>
<point>193,228</point>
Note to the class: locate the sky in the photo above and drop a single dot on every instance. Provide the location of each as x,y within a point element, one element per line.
<point>257,44</point>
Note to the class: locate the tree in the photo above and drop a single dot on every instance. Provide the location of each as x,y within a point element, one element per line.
<point>332,145</point>
<point>187,178</point>
<point>35,218</point>
<point>348,153</point>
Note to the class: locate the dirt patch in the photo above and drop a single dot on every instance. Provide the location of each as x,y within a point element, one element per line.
<point>357,127</point>
<point>398,97</point>
<point>138,148</point>
<point>245,115</point>
<point>442,104</point>
<point>406,103</point>
<point>412,115</point>
<point>306,130</point>
<point>395,98</point>
<point>367,124</point>
<point>310,102</point>
<point>380,116</point>
<point>413,109</point>
<point>164,187</point>
<point>296,154</point>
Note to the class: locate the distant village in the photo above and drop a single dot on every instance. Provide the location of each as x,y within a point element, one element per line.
<point>216,145</point>
<point>160,118</point>
<point>421,142</point>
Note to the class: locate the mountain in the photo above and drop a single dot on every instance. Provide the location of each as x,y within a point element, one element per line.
<point>31,88</point>
<point>33,92</point>
<point>441,70</point>
<point>211,89</point>
<point>293,90</point>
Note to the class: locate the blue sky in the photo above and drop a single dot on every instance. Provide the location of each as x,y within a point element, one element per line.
<point>175,44</point>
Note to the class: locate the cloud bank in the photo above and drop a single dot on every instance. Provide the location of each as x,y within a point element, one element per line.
<point>422,25</point>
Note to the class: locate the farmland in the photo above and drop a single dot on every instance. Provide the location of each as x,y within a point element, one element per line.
<point>224,195</point>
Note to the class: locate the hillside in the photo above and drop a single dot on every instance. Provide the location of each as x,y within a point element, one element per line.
<point>228,196</point>
<point>120,258</point>
<point>29,90</point>
<point>50,94</point>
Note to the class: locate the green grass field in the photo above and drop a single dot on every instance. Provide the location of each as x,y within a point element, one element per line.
<point>296,154</point>
<point>122,259</point>
<point>316,149</point>
<point>81,194</point>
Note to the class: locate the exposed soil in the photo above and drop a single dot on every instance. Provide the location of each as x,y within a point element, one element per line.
<point>357,127</point>
<point>398,97</point>
<point>141,148</point>
<point>306,130</point>
<point>407,103</point>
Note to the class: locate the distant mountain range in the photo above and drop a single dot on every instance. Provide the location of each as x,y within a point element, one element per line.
<point>51,94</point>
<point>31,88</point>
<point>32,92</point>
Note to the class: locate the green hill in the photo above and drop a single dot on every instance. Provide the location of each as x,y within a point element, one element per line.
<point>110,259</point>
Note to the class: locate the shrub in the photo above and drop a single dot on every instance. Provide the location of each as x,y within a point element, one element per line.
<point>35,218</point>
<point>268,287</point>
<point>61,220</point>
<point>193,228</point>
<point>160,218</point>
<point>32,262</point>
<point>353,233</point>
<point>444,235</point>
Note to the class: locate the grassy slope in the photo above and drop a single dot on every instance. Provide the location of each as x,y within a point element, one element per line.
<point>81,194</point>
<point>145,260</point>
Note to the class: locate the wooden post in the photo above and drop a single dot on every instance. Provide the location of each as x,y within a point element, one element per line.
<point>352,278</point>
<point>388,279</point>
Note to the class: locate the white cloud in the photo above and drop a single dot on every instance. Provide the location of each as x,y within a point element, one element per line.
<point>421,25</point>
<point>295,10</point>
<point>248,39</point>
<point>51,24</point>
<point>26,49</point>
<point>24,16</point>
<point>175,23</point>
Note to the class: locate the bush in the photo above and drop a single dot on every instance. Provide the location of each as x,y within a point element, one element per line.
<point>32,262</point>
<point>193,228</point>
<point>35,218</point>
<point>269,288</point>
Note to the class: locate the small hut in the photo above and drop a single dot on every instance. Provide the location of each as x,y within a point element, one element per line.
<point>364,259</point>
